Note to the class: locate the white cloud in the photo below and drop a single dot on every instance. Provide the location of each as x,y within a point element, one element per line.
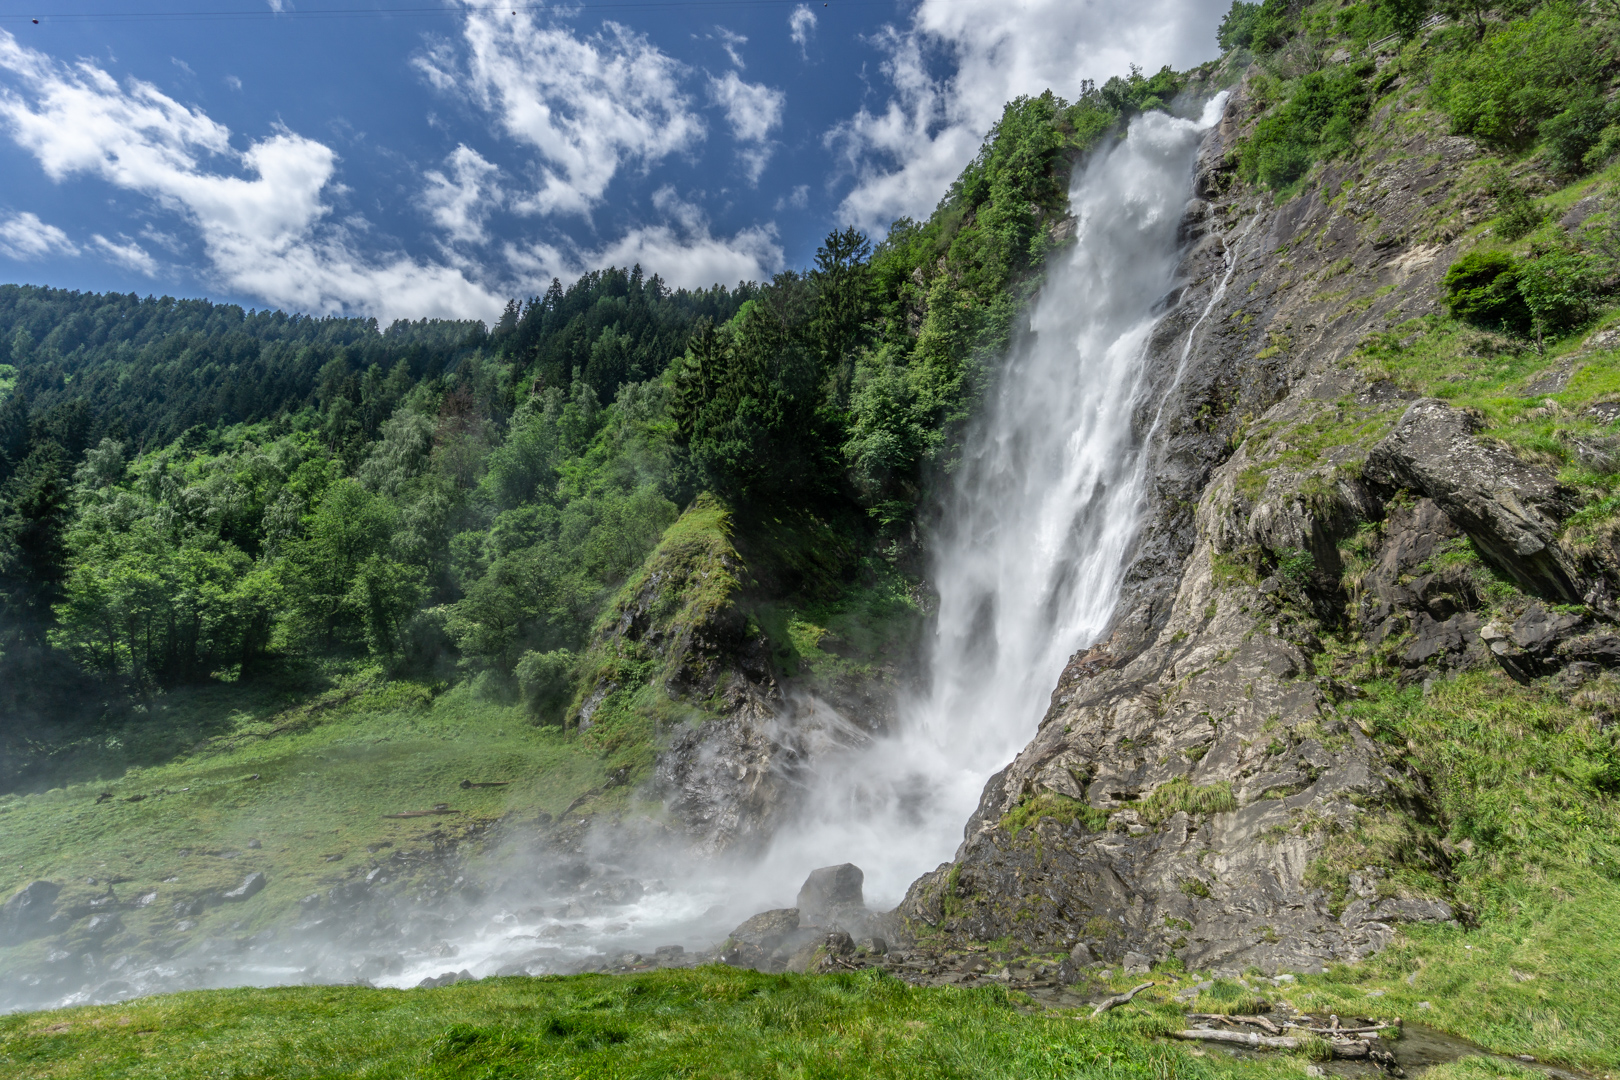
<point>588,105</point>
<point>798,198</point>
<point>261,213</point>
<point>731,43</point>
<point>904,156</point>
<point>128,254</point>
<point>278,6</point>
<point>460,203</point>
<point>802,27</point>
<point>754,110</point>
<point>23,236</point>
<point>681,249</point>
<point>233,82</point>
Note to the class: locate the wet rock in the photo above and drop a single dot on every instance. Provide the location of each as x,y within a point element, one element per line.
<point>875,945</point>
<point>1510,510</point>
<point>1080,955</point>
<point>752,943</point>
<point>373,967</point>
<point>449,978</point>
<point>103,925</point>
<point>191,907</point>
<point>348,895</point>
<point>27,913</point>
<point>1137,963</point>
<point>669,954</point>
<point>830,893</point>
<point>250,887</point>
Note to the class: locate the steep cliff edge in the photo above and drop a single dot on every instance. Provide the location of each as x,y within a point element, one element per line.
<point>1203,788</point>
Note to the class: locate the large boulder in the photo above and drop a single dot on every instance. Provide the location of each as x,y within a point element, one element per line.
<point>1509,509</point>
<point>753,942</point>
<point>832,893</point>
<point>28,912</point>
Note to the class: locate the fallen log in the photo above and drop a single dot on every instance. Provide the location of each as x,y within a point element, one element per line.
<point>1347,1048</point>
<point>1242,1038</point>
<point>1118,999</point>
<point>465,784</point>
<point>1257,1021</point>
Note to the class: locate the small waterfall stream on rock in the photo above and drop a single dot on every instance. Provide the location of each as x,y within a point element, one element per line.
<point>1038,527</point>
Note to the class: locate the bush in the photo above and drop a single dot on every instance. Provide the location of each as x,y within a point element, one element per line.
<point>1527,72</point>
<point>1517,213</point>
<point>1605,149</point>
<point>1572,134</point>
<point>1317,120</point>
<point>547,683</point>
<point>1561,290</point>
<point>1483,288</point>
<point>1237,26</point>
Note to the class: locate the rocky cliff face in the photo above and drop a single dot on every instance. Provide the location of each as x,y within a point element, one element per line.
<point>1193,789</point>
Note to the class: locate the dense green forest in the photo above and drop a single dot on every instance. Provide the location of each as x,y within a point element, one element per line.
<point>192,492</point>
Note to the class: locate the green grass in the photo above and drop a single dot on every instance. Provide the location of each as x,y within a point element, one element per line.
<point>1525,793</point>
<point>1180,794</point>
<point>707,1022</point>
<point>322,790</point>
<point>1049,804</point>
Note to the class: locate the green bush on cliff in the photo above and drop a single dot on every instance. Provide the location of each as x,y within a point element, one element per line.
<point>1548,295</point>
<point>1528,79</point>
<point>1263,27</point>
<point>1317,119</point>
<point>1482,287</point>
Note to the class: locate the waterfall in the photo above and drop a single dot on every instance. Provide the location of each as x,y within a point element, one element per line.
<point>1038,527</point>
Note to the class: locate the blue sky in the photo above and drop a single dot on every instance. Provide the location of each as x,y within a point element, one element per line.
<point>411,158</point>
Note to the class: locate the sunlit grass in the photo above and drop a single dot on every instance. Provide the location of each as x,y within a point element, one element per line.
<point>707,1022</point>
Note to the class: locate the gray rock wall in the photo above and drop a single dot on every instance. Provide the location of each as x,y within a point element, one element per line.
<point>1185,788</point>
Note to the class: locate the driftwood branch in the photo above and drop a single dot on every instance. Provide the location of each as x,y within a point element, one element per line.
<point>1242,1038</point>
<point>1118,999</point>
<point>1257,1021</point>
<point>1348,1048</point>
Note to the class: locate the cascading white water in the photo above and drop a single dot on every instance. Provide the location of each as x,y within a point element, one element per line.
<point>1037,528</point>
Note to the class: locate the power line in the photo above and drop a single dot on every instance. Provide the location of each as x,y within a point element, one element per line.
<point>437,11</point>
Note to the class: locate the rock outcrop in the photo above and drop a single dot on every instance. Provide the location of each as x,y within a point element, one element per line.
<point>1195,789</point>
<point>1511,512</point>
<point>677,644</point>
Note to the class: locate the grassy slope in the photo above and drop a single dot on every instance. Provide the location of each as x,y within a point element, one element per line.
<point>710,1022</point>
<point>321,791</point>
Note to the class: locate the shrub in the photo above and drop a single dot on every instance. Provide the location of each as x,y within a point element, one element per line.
<point>1527,72</point>
<point>546,682</point>
<point>1482,287</point>
<point>1318,120</point>
<point>1605,149</point>
<point>1237,26</point>
<point>1571,135</point>
<point>1562,290</point>
<point>1517,213</point>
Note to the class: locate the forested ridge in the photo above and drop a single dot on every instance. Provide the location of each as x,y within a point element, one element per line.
<point>190,491</point>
